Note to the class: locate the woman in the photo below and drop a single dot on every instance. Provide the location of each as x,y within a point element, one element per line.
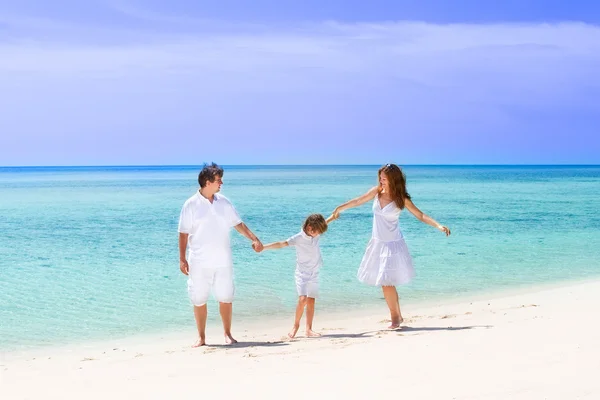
<point>387,262</point>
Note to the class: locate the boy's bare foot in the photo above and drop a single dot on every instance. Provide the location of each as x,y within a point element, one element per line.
<point>199,343</point>
<point>293,332</point>
<point>396,324</point>
<point>311,333</point>
<point>229,339</point>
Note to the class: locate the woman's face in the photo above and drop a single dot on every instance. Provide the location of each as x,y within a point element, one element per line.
<point>383,182</point>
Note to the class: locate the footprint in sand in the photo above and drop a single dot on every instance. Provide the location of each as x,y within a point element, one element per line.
<point>88,359</point>
<point>339,341</point>
<point>169,351</point>
<point>138,355</point>
<point>448,316</point>
<point>529,305</point>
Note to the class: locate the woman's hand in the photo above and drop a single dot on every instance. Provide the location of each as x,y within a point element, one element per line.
<point>444,229</point>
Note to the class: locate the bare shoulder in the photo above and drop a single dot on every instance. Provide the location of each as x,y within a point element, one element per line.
<point>410,206</point>
<point>373,191</point>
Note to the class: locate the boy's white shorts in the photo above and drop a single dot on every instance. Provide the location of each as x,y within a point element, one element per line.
<point>204,280</point>
<point>307,283</point>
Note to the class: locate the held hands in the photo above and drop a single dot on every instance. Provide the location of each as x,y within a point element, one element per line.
<point>184,267</point>
<point>335,215</point>
<point>257,245</point>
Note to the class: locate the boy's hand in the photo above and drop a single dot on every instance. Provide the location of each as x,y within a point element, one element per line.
<point>184,266</point>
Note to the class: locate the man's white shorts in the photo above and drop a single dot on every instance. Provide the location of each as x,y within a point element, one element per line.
<point>202,280</point>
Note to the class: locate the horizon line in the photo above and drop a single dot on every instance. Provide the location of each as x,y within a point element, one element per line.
<point>298,165</point>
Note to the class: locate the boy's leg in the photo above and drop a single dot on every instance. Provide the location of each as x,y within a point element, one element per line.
<point>310,314</point>
<point>299,312</point>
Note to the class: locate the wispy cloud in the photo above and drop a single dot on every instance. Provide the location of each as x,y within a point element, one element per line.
<point>462,78</point>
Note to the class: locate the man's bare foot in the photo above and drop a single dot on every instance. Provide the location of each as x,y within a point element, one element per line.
<point>199,343</point>
<point>396,324</point>
<point>311,333</point>
<point>229,339</point>
<point>293,332</point>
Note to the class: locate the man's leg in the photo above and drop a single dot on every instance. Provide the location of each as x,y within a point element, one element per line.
<point>200,313</point>
<point>226,310</point>
<point>199,283</point>
<point>224,292</point>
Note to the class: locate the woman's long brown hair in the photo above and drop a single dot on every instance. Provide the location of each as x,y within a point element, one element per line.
<point>397,182</point>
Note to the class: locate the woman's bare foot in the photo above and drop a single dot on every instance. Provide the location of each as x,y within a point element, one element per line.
<point>311,333</point>
<point>293,332</point>
<point>199,343</point>
<point>396,324</point>
<point>229,339</point>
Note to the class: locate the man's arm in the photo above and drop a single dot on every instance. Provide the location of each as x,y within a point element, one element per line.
<point>244,230</point>
<point>183,264</point>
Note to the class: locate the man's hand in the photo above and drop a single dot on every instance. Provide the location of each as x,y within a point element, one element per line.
<point>184,267</point>
<point>257,246</point>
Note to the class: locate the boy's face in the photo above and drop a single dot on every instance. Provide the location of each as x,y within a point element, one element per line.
<point>310,231</point>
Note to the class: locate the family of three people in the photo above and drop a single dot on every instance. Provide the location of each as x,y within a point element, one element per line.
<point>206,258</point>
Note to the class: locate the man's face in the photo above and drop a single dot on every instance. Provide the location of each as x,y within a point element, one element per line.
<point>215,186</point>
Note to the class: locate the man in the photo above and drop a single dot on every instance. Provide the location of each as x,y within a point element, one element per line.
<point>204,226</point>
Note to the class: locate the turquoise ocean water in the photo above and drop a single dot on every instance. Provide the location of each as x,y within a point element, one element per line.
<point>91,253</point>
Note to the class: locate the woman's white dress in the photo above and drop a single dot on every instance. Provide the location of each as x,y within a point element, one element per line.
<point>386,261</point>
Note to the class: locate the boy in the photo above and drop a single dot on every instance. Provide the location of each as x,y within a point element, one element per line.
<point>308,264</point>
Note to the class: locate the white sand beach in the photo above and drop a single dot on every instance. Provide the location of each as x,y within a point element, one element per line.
<point>539,345</point>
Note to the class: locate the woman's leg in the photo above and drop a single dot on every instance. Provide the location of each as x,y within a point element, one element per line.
<point>391,297</point>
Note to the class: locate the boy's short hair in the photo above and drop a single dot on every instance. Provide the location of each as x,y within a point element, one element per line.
<point>209,173</point>
<point>316,222</point>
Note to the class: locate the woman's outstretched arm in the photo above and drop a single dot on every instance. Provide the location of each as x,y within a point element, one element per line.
<point>421,216</point>
<point>360,200</point>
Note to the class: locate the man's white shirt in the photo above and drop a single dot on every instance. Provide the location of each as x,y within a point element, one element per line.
<point>208,225</point>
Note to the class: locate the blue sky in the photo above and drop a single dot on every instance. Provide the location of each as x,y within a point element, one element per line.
<point>271,82</point>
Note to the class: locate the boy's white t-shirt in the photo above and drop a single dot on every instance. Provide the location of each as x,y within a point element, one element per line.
<point>208,225</point>
<point>308,252</point>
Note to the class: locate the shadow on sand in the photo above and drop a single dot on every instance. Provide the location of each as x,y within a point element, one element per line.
<point>403,329</point>
<point>241,345</point>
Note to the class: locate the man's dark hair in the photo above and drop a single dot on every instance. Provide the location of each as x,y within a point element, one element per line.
<point>209,173</point>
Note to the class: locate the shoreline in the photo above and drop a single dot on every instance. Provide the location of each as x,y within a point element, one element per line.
<point>536,345</point>
<point>280,324</point>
